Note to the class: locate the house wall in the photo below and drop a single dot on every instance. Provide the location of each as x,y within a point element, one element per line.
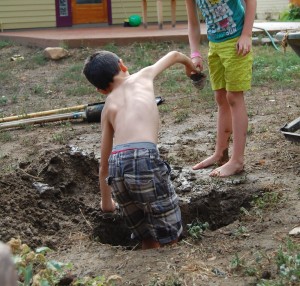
<point>270,9</point>
<point>122,9</point>
<point>16,14</point>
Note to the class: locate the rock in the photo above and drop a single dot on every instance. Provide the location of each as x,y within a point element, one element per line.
<point>295,231</point>
<point>56,53</point>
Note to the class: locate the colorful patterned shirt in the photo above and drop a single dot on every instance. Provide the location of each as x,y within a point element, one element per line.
<point>224,18</point>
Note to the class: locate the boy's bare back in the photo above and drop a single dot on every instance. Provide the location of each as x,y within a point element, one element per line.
<point>131,109</point>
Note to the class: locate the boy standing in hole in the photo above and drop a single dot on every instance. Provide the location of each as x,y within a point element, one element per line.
<point>130,163</point>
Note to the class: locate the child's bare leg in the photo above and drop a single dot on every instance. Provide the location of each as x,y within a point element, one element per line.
<point>240,124</point>
<point>224,130</point>
<point>150,243</point>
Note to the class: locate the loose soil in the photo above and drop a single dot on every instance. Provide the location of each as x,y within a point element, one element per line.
<point>50,197</point>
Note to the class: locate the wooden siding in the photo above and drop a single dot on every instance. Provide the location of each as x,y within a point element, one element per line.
<point>19,14</point>
<point>270,9</point>
<point>122,9</point>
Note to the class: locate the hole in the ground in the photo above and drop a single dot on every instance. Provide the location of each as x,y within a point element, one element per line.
<point>55,199</point>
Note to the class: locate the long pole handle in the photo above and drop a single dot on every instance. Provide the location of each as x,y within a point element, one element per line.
<point>43,119</point>
<point>43,113</point>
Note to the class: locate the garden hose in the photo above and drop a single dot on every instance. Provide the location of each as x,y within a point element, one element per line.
<point>270,37</point>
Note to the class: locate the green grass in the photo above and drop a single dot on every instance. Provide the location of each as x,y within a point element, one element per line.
<point>5,137</point>
<point>278,69</point>
<point>4,44</point>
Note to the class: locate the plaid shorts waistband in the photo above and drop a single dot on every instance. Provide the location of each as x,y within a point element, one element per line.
<point>133,146</point>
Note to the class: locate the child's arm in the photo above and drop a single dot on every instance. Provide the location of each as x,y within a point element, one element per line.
<point>168,60</point>
<point>107,203</point>
<point>194,32</point>
<point>245,42</point>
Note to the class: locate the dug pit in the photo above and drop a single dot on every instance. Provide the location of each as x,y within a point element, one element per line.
<point>56,198</point>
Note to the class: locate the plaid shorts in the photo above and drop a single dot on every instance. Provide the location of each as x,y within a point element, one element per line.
<point>142,187</point>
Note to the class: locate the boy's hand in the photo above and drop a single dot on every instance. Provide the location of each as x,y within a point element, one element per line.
<point>108,207</point>
<point>244,45</point>
<point>198,63</point>
<point>190,70</point>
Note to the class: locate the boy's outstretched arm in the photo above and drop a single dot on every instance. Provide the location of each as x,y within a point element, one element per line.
<point>168,60</point>
<point>244,44</point>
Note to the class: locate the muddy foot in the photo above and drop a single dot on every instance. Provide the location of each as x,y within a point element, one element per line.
<point>227,170</point>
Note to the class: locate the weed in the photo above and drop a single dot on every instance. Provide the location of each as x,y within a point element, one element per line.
<point>39,59</point>
<point>197,228</point>
<point>250,129</point>
<point>5,136</point>
<point>4,76</point>
<point>3,100</point>
<point>237,263</point>
<point>242,230</point>
<point>38,89</point>
<point>170,281</point>
<point>268,200</point>
<point>165,108</point>
<point>15,98</point>
<point>59,138</point>
<point>181,116</point>
<point>64,45</point>
<point>112,48</point>
<point>79,90</point>
<point>34,268</point>
<point>287,260</point>
<point>5,43</point>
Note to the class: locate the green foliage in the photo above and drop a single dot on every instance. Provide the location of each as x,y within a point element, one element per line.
<point>197,228</point>
<point>167,282</point>
<point>268,200</point>
<point>3,100</point>
<point>33,268</point>
<point>39,59</point>
<point>181,115</point>
<point>4,44</point>
<point>287,260</point>
<point>5,136</point>
<point>60,137</point>
<point>237,263</point>
<point>292,14</point>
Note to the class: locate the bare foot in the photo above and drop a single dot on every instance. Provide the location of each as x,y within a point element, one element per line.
<point>150,244</point>
<point>213,160</point>
<point>228,169</point>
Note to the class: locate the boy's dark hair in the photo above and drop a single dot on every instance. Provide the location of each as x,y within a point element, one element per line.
<point>100,68</point>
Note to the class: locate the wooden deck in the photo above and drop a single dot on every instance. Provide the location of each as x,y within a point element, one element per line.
<point>89,36</point>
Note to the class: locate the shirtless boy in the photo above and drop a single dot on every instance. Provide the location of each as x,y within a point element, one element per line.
<point>130,163</point>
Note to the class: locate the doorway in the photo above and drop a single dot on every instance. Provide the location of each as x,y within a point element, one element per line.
<point>89,11</point>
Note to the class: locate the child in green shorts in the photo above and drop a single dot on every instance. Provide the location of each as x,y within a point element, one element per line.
<point>229,31</point>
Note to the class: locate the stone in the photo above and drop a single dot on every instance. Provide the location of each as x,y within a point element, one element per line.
<point>56,53</point>
<point>295,231</point>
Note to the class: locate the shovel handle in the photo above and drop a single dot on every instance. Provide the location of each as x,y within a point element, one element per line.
<point>43,113</point>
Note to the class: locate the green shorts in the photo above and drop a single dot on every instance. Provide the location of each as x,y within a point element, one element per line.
<point>227,69</point>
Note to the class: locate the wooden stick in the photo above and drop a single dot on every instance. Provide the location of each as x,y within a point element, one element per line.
<point>43,113</point>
